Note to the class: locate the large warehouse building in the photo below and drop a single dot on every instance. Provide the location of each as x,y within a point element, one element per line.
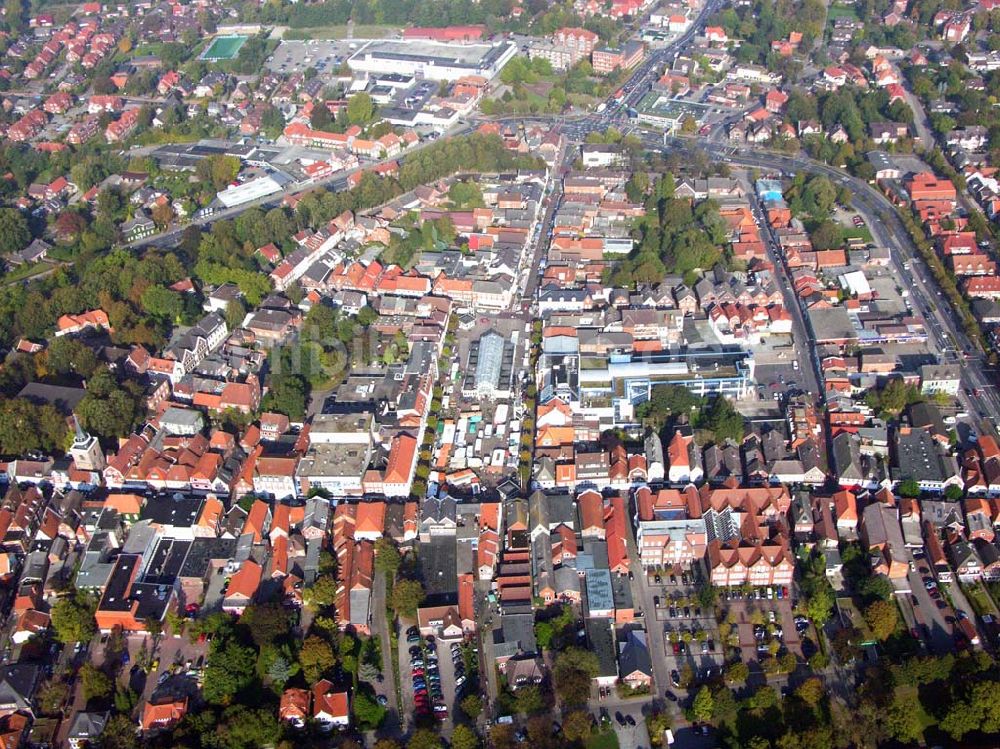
<point>433,60</point>
<point>253,190</point>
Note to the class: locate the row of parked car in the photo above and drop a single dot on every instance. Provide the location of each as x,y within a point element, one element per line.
<point>683,579</point>
<point>676,611</point>
<point>770,593</point>
<point>428,699</point>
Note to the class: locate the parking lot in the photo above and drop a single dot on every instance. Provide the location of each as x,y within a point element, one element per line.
<point>629,725</point>
<point>760,622</point>
<point>431,669</point>
<point>934,617</point>
<point>178,665</point>
<point>325,56</point>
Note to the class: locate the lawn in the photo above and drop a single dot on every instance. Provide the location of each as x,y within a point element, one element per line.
<point>361,31</point>
<point>604,740</point>
<point>978,598</point>
<point>862,232</point>
<point>26,271</point>
<point>841,11</point>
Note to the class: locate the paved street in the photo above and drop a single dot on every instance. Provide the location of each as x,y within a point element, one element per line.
<point>642,595</point>
<point>943,328</point>
<point>380,629</point>
<point>336,182</point>
<point>801,332</point>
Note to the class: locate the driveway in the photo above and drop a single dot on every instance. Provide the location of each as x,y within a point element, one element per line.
<point>405,682</point>
<point>380,629</point>
<point>927,611</point>
<point>174,653</point>
<point>642,595</point>
<point>629,735</point>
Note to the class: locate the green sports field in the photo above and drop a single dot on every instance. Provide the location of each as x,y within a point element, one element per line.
<point>223,48</point>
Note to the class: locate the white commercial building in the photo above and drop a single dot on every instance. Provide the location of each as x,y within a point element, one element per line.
<point>432,60</point>
<point>252,190</point>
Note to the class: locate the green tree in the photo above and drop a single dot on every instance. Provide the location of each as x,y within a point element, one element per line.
<point>722,418</point>
<point>287,395</point>
<point>266,622</point>
<point>703,704</point>
<point>52,696</point>
<point>14,15</point>
<point>407,595</point>
<point>229,669</point>
<point>280,670</point>
<point>818,661</point>
<point>828,235</point>
<point>908,488</point>
<point>26,426</point>
<point>819,196</point>
<point>367,712</point>
<point>424,738</point>
<point>882,617</point>
<point>218,170</point>
<point>73,617</point>
<point>110,410</point>
<point>472,706</point>
<point>323,592</point>
<point>667,400</point>
<point>67,355</point>
<point>360,109</point>
<point>819,605</point>
<point>986,698</point>
<point>316,658</point>
<point>94,682</point>
<point>243,727</point>
<point>902,721</point>
<point>529,700</point>
<point>811,691</point>
<point>708,594</point>
<point>466,194</point>
<point>574,669</point>
<point>953,493</point>
<point>321,119</point>
<point>162,302</point>
<point>876,587</point>
<point>387,557</point>
<point>234,314</point>
<point>119,733</point>
<point>14,232</point>
<point>576,726</point>
<point>737,672</point>
<point>961,718</point>
<point>464,737</point>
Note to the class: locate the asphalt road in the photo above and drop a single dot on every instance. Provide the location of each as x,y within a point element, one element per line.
<point>801,330</point>
<point>336,182</point>
<point>380,629</point>
<point>941,322</point>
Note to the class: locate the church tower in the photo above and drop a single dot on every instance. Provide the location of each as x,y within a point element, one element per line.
<point>86,450</point>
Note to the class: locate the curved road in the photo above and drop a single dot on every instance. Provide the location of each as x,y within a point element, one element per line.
<point>943,327</point>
